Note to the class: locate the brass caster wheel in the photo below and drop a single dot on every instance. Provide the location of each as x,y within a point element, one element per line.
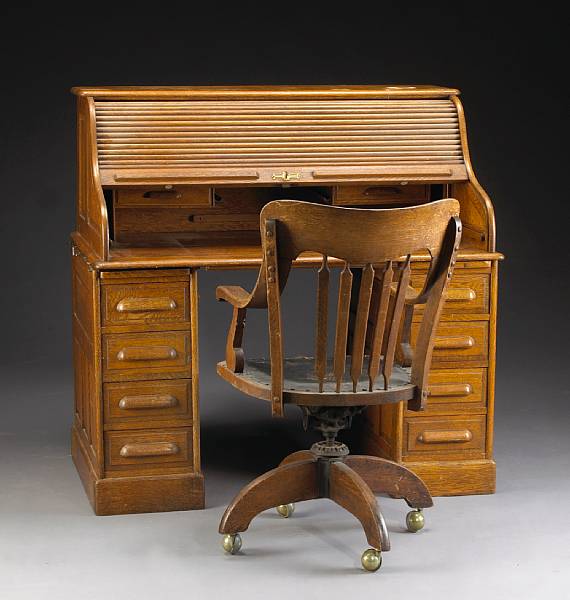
<point>415,520</point>
<point>371,559</point>
<point>285,510</point>
<point>231,543</point>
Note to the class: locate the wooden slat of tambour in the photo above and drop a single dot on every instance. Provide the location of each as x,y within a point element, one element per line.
<point>347,160</point>
<point>361,322</point>
<point>277,159</point>
<point>189,151</point>
<point>290,109</point>
<point>190,107</point>
<point>269,107</point>
<point>341,333</point>
<point>296,119</point>
<point>322,322</point>
<point>379,326</point>
<point>292,128</point>
<point>396,136</point>
<point>277,145</point>
<point>264,107</point>
<point>394,322</point>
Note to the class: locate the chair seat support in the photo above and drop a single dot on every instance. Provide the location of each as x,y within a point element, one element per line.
<point>350,481</point>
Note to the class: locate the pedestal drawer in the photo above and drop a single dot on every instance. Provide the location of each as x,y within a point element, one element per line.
<point>148,449</point>
<point>459,343</point>
<point>145,303</point>
<point>455,390</point>
<point>444,438</point>
<point>148,401</point>
<point>467,293</point>
<point>146,355</point>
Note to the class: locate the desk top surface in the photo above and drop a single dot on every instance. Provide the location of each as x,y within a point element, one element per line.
<point>259,92</point>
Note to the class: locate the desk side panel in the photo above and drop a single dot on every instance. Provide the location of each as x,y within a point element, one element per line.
<point>87,362</point>
<point>92,221</point>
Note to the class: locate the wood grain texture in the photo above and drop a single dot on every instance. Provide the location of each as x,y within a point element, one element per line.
<point>387,477</point>
<point>287,483</point>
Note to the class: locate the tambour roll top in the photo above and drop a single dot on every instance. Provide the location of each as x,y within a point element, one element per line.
<point>274,135</point>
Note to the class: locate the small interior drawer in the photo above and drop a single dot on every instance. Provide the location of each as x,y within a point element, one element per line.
<point>147,400</point>
<point>459,342</point>
<point>164,195</point>
<point>445,437</point>
<point>144,449</point>
<point>145,355</point>
<point>145,303</point>
<point>363,195</point>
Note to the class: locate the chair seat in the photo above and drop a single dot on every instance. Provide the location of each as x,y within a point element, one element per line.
<point>301,386</point>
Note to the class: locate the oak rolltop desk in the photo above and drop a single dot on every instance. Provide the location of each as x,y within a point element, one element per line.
<point>172,180</point>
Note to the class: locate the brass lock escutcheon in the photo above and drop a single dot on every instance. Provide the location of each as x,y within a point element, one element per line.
<point>285,176</point>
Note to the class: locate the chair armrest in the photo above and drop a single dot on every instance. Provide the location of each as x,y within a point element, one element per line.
<point>234,294</point>
<point>411,293</point>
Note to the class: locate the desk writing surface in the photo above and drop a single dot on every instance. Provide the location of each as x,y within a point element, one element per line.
<point>241,250</point>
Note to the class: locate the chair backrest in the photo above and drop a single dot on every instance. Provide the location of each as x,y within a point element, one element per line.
<point>377,245</point>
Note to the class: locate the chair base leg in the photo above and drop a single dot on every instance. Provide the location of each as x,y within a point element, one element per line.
<point>382,476</point>
<point>387,477</point>
<point>350,481</point>
<point>307,479</point>
<point>284,485</point>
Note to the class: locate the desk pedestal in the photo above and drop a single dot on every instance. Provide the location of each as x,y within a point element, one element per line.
<point>135,438</point>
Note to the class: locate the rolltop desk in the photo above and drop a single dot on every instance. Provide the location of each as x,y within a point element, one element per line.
<point>171,180</point>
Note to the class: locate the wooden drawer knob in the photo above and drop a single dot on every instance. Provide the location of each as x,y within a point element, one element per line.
<point>149,449</point>
<point>454,343</point>
<point>147,401</point>
<point>145,304</point>
<point>445,437</point>
<point>450,389</point>
<point>147,353</point>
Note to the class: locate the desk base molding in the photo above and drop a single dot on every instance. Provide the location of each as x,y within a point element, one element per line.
<point>139,494</point>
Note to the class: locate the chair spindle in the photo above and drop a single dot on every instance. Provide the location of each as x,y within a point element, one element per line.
<point>395,321</point>
<point>322,322</point>
<point>380,327</point>
<point>361,323</point>
<point>341,334</point>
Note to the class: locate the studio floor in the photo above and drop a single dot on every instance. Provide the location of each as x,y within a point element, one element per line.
<point>513,544</point>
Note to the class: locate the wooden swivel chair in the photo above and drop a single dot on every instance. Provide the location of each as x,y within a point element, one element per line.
<point>372,360</point>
